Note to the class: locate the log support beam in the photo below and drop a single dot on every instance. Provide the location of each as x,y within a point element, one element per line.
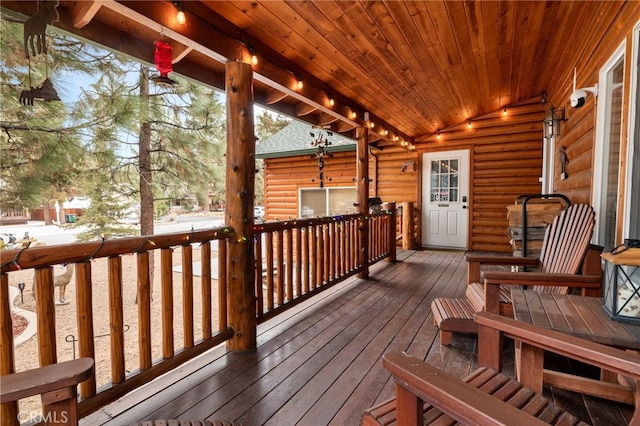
<point>362,182</point>
<point>241,147</point>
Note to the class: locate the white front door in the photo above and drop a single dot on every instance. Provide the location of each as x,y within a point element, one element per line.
<point>445,196</point>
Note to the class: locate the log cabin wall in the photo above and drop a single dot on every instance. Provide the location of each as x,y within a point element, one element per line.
<point>578,133</point>
<point>285,176</point>
<point>393,175</point>
<point>505,162</point>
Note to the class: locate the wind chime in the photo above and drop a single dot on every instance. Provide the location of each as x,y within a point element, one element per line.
<point>35,43</point>
<point>321,142</point>
<point>163,60</point>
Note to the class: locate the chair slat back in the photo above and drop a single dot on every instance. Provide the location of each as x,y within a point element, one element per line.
<point>565,243</point>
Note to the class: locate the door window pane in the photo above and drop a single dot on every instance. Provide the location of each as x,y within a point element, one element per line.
<point>444,180</point>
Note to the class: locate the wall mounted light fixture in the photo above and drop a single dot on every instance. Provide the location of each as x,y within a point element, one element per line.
<point>552,123</point>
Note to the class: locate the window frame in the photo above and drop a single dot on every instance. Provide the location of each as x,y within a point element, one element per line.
<point>327,191</point>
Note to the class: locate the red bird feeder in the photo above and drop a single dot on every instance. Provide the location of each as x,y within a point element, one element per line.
<point>162,57</point>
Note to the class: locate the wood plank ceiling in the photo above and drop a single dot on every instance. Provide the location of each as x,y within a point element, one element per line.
<point>415,66</point>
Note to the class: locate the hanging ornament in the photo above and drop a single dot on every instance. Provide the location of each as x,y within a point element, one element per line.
<point>35,43</point>
<point>45,92</point>
<point>321,142</point>
<point>163,56</point>
<point>35,28</point>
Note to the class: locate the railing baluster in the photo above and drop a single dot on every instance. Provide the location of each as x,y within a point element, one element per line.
<point>116,319</point>
<point>144,310</point>
<point>222,285</point>
<point>289,264</point>
<point>187,295</point>
<point>305,258</point>
<point>270,290</point>
<point>280,273</point>
<point>257,247</point>
<point>298,263</point>
<point>9,411</point>
<point>313,229</point>
<point>45,309</point>
<point>205,284</point>
<point>84,307</point>
<point>166,266</point>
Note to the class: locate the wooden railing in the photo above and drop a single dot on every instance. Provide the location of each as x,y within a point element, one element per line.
<point>297,259</point>
<point>134,355</point>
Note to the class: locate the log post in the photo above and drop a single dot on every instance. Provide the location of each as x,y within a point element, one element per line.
<point>408,227</point>
<point>390,232</point>
<point>362,184</point>
<point>241,147</point>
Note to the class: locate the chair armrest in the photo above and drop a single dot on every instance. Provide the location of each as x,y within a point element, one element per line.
<point>44,379</point>
<point>494,279</point>
<point>463,402</point>
<point>501,259</point>
<point>596,354</point>
<point>474,261</point>
<point>541,278</point>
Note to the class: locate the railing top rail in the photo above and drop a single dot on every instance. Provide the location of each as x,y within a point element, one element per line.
<point>302,222</point>
<point>37,257</point>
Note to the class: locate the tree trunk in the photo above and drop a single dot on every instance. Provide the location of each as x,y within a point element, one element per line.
<point>46,210</point>
<point>144,165</point>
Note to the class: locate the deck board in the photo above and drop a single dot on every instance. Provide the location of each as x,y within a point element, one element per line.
<point>320,362</point>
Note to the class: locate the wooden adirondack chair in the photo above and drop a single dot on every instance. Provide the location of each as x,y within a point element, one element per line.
<point>426,395</point>
<point>565,253</point>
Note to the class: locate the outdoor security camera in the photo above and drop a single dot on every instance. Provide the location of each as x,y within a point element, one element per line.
<point>579,96</point>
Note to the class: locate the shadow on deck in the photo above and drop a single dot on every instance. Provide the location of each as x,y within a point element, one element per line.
<point>320,363</point>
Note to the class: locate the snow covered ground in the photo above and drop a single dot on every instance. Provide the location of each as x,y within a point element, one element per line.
<point>54,234</point>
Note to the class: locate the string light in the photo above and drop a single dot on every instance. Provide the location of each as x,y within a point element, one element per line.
<point>254,57</point>
<point>469,124</point>
<point>438,134</point>
<point>180,17</point>
<point>504,112</point>
<point>354,115</point>
<point>332,102</point>
<point>299,83</point>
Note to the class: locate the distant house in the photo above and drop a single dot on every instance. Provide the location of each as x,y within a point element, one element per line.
<point>292,173</point>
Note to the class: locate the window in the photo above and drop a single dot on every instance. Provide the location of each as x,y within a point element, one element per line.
<point>327,201</point>
<point>444,181</point>
<point>609,137</point>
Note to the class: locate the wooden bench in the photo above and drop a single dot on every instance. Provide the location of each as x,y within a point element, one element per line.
<point>56,383</point>
<point>425,394</point>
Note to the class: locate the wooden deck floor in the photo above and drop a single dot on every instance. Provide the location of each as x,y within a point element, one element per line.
<point>320,363</point>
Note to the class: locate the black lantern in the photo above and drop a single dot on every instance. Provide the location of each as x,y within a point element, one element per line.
<point>552,123</point>
<point>621,287</point>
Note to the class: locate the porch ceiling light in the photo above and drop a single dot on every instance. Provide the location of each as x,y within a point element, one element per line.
<point>180,15</point>
<point>552,123</point>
